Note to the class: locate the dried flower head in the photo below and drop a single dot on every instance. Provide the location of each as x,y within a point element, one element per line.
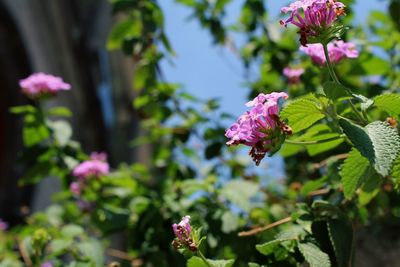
<point>183,231</point>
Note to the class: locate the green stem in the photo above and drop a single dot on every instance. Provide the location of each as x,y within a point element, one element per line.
<point>204,258</point>
<point>304,143</point>
<point>335,79</point>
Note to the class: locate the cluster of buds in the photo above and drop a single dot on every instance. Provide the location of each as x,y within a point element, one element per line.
<point>337,51</point>
<point>183,234</point>
<point>260,128</point>
<point>314,18</point>
<point>42,84</point>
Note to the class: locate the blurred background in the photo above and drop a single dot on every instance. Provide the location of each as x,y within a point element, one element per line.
<point>68,38</point>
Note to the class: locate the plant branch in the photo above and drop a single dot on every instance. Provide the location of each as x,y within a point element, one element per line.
<point>204,258</point>
<point>264,228</point>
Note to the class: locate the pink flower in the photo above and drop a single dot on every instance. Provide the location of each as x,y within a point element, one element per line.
<point>260,128</point>
<point>293,75</point>
<point>3,225</point>
<point>96,167</point>
<point>75,188</point>
<point>182,232</point>
<point>316,18</point>
<point>337,50</point>
<point>39,84</point>
<point>47,264</point>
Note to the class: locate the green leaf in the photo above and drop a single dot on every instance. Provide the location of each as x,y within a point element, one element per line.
<point>126,29</point>
<point>60,112</point>
<point>247,191</point>
<point>272,246</point>
<point>389,103</point>
<point>370,188</point>
<point>386,143</point>
<point>303,112</point>
<point>316,149</point>
<point>59,246</point>
<point>353,171</point>
<point>93,250</point>
<point>396,172</point>
<point>62,131</point>
<point>334,90</point>
<point>23,109</point>
<point>313,185</point>
<point>72,230</point>
<point>378,142</point>
<point>365,102</point>
<point>341,236</point>
<point>198,262</point>
<point>314,256</point>
<point>230,222</point>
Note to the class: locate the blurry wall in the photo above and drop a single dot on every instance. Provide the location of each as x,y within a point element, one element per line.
<point>65,38</point>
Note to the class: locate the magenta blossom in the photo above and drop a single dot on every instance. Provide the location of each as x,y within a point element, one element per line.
<point>75,188</point>
<point>293,75</point>
<point>47,264</point>
<point>39,84</point>
<point>260,128</point>
<point>96,166</point>
<point>312,17</point>
<point>3,225</point>
<point>337,50</point>
<point>183,232</point>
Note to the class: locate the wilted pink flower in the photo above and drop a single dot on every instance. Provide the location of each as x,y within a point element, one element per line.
<point>182,232</point>
<point>260,128</point>
<point>293,75</point>
<point>75,188</point>
<point>337,50</point>
<point>96,167</point>
<point>3,225</point>
<point>39,84</point>
<point>316,16</point>
<point>85,205</point>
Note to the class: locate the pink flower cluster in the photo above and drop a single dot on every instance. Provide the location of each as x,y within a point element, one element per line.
<point>260,128</point>
<point>183,231</point>
<point>3,225</point>
<point>96,167</point>
<point>39,84</point>
<point>337,51</point>
<point>317,16</point>
<point>293,75</point>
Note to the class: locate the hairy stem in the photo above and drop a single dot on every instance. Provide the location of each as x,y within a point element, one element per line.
<point>204,258</point>
<point>335,79</point>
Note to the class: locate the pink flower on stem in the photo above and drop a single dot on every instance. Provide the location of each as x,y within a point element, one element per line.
<point>75,188</point>
<point>293,75</point>
<point>183,232</point>
<point>3,225</point>
<point>312,17</point>
<point>337,50</point>
<point>96,167</point>
<point>260,128</point>
<point>39,84</point>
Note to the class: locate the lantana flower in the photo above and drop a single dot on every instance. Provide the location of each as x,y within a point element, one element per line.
<point>182,232</point>
<point>3,225</point>
<point>96,167</point>
<point>39,84</point>
<point>293,74</point>
<point>337,50</point>
<point>314,18</point>
<point>260,128</point>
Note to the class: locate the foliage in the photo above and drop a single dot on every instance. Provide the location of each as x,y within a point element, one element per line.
<point>341,161</point>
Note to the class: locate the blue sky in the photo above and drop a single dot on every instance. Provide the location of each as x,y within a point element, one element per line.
<point>207,70</point>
